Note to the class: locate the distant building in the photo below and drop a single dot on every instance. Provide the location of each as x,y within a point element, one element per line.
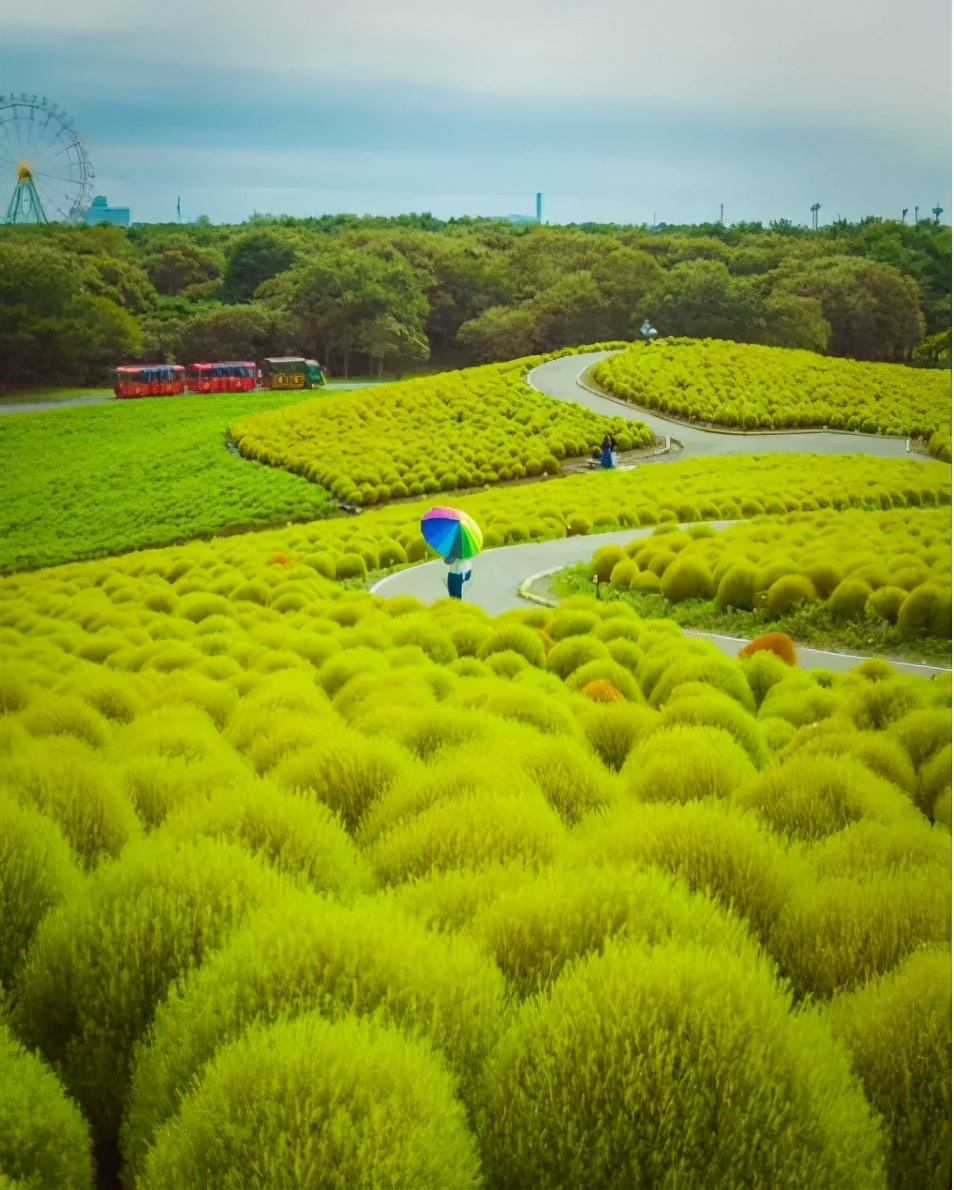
<point>522,219</point>
<point>101,212</point>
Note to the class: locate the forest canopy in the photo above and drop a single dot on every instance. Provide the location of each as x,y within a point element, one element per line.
<point>369,295</point>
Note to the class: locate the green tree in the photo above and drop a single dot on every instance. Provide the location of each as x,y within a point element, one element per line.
<point>53,329</point>
<point>792,321</point>
<point>333,300</point>
<point>234,332</point>
<point>570,312</point>
<point>500,333</point>
<point>872,308</point>
<point>254,258</point>
<point>386,338</point>
<point>701,299</point>
<point>180,266</point>
<point>624,276</point>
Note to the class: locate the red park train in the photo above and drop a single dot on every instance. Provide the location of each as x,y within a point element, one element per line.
<point>229,376</point>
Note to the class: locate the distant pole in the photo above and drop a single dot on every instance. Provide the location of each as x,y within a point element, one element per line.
<point>816,207</point>
<point>916,209</point>
<point>904,214</point>
<point>721,210</point>
<point>937,212</point>
<point>179,208</point>
<point>539,207</point>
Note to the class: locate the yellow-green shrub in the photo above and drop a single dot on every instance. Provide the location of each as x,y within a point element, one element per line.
<point>616,1078</point>
<point>613,730</point>
<point>687,578</point>
<point>534,930</point>
<point>37,872</point>
<point>304,953</point>
<point>99,964</point>
<point>517,638</point>
<point>841,931</point>
<point>898,1035</point>
<point>683,763</point>
<point>44,1140</point>
<point>301,1100</point>
<point>78,791</point>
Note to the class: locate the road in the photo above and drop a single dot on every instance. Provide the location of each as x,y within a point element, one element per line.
<point>499,573</point>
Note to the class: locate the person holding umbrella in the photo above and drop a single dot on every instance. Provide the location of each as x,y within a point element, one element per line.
<point>457,538</point>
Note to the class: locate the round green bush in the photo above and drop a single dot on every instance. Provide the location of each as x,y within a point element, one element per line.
<point>711,845</point>
<point>535,929</point>
<point>897,1033</point>
<point>506,664</point>
<point>786,593</point>
<point>682,763</point>
<point>934,778</point>
<point>44,1140</point>
<point>606,670</point>
<point>737,588</point>
<point>351,565</point>
<point>923,732</point>
<point>799,700</point>
<point>687,578</point>
<point>306,953</point>
<point>840,931</point>
<point>660,561</point>
<point>516,638</point>
<point>37,872</point>
<point>825,576</point>
<point>925,612</point>
<point>776,732</point>
<point>467,831</point>
<point>885,603</point>
<point>623,626</point>
<point>79,792</point>
<point>617,1079</point>
<point>878,752</point>
<point>571,778</point>
<point>623,574</point>
<point>572,622</point>
<point>763,670</point>
<point>100,964</point>
<point>645,583</point>
<point>422,631</point>
<point>296,836</point>
<point>390,554</point>
<point>314,1102</point>
<point>604,559</point>
<point>625,653</point>
<point>612,729</point>
<point>572,652</point>
<point>346,770</point>
<point>766,576</point>
<point>848,600</point>
<point>813,796</point>
<point>713,669</point>
<point>705,707</point>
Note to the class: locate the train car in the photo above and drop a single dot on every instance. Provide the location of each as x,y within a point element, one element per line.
<point>286,372</point>
<point>232,376</point>
<point>150,380</point>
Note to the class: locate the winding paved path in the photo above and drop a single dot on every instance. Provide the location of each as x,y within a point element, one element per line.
<point>499,573</point>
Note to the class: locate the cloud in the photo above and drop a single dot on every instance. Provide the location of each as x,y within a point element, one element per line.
<point>457,105</point>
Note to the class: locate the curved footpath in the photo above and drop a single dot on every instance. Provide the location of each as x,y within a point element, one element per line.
<point>499,573</point>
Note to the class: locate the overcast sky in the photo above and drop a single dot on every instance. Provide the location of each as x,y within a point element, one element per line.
<point>617,111</point>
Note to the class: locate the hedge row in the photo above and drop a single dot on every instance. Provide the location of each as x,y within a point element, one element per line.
<point>892,567</point>
<point>747,386</point>
<point>435,434</point>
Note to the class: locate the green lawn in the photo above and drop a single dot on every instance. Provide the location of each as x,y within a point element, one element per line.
<point>51,394</point>
<point>92,480</point>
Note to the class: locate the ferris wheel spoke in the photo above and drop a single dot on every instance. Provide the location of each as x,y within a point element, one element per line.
<point>55,177</point>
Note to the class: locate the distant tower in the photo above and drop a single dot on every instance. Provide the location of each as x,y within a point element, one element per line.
<point>904,214</point>
<point>916,209</point>
<point>937,212</point>
<point>539,207</point>
<point>816,207</point>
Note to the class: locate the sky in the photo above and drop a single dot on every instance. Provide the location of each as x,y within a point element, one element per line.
<point>641,111</point>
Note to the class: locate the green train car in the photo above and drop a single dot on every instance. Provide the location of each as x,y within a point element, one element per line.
<point>290,372</point>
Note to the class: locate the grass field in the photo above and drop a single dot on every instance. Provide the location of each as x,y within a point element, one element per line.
<point>82,482</point>
<point>304,886</point>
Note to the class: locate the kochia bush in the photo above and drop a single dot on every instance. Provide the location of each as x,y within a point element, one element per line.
<point>303,1100</point>
<point>614,1079</point>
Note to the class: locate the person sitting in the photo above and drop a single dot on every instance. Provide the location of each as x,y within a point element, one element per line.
<point>608,452</point>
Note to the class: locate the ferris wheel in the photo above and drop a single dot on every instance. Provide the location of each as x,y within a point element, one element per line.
<point>45,173</point>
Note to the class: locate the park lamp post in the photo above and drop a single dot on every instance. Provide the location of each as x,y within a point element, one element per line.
<point>596,585</point>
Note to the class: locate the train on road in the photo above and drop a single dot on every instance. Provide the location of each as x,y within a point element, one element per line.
<point>284,373</point>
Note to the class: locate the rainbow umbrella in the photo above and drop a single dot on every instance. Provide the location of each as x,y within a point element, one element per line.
<point>452,533</point>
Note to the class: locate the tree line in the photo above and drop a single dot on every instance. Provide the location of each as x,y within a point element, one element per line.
<point>368,295</point>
